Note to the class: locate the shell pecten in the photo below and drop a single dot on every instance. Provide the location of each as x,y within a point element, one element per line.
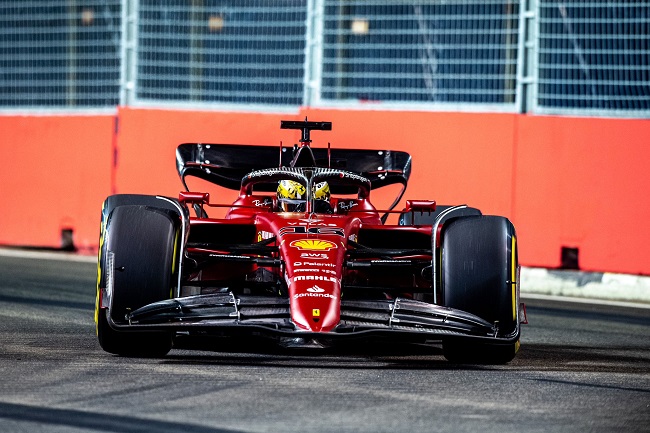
<point>313,244</point>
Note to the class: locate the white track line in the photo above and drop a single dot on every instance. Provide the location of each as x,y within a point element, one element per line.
<point>63,256</point>
<point>47,255</point>
<point>626,304</point>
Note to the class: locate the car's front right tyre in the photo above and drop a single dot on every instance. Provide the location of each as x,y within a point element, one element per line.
<point>141,241</point>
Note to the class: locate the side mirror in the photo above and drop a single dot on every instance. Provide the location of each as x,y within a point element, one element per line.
<point>199,198</point>
<point>195,200</point>
<point>420,206</point>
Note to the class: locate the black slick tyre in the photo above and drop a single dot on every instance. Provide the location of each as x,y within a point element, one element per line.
<point>142,242</point>
<point>478,275</point>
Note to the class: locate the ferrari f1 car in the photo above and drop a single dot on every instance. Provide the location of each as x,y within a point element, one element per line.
<point>327,269</point>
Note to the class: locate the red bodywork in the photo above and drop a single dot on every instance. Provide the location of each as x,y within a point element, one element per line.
<point>331,270</point>
<point>312,248</point>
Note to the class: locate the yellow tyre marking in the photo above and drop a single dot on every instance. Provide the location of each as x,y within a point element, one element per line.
<point>99,270</point>
<point>175,253</point>
<point>174,261</point>
<point>513,278</point>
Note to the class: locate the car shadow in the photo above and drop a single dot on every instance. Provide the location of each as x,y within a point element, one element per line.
<point>380,355</point>
<point>60,418</point>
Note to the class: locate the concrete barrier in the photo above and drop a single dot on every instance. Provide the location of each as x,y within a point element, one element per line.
<point>570,185</point>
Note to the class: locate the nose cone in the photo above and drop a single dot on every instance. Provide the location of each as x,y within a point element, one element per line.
<point>315,304</point>
<point>313,249</point>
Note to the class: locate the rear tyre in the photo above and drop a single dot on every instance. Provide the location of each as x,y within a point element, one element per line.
<point>142,241</point>
<point>479,268</point>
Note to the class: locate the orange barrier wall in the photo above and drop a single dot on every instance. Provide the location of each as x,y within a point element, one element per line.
<point>584,183</point>
<point>55,173</point>
<point>565,182</point>
<point>451,161</point>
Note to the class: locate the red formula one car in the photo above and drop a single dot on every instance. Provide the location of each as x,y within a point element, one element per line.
<point>303,256</point>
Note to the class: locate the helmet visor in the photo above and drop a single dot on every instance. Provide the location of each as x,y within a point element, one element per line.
<point>288,205</point>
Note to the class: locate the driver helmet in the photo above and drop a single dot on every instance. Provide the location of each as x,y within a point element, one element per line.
<point>322,191</point>
<point>322,198</point>
<point>292,196</point>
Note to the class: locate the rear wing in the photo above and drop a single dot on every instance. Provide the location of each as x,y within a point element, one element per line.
<point>227,164</point>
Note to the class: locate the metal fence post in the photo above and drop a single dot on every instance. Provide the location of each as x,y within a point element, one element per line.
<point>527,83</point>
<point>313,52</point>
<point>129,52</point>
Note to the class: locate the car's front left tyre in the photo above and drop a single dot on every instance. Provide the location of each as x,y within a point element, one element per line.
<point>479,271</point>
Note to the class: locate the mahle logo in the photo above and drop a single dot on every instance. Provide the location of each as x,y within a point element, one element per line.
<point>313,244</point>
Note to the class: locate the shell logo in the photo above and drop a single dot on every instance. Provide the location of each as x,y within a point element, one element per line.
<point>313,244</point>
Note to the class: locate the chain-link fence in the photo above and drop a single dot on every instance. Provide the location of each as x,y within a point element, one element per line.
<point>221,51</point>
<point>59,54</point>
<point>421,53</point>
<point>594,57</point>
<point>545,56</point>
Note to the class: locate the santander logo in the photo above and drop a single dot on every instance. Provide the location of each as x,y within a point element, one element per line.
<point>314,292</point>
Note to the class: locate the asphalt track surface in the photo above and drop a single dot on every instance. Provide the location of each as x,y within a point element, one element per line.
<point>582,368</point>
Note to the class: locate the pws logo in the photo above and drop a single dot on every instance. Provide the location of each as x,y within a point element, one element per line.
<point>314,256</point>
<point>313,244</point>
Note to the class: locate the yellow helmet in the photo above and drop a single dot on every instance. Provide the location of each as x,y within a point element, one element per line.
<point>291,196</point>
<point>322,191</point>
<point>292,190</point>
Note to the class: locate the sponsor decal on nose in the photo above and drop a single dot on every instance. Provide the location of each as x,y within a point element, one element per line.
<point>315,278</point>
<point>314,256</point>
<point>314,292</point>
<point>313,244</point>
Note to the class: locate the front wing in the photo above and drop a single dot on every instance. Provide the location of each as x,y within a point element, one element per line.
<point>225,312</point>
